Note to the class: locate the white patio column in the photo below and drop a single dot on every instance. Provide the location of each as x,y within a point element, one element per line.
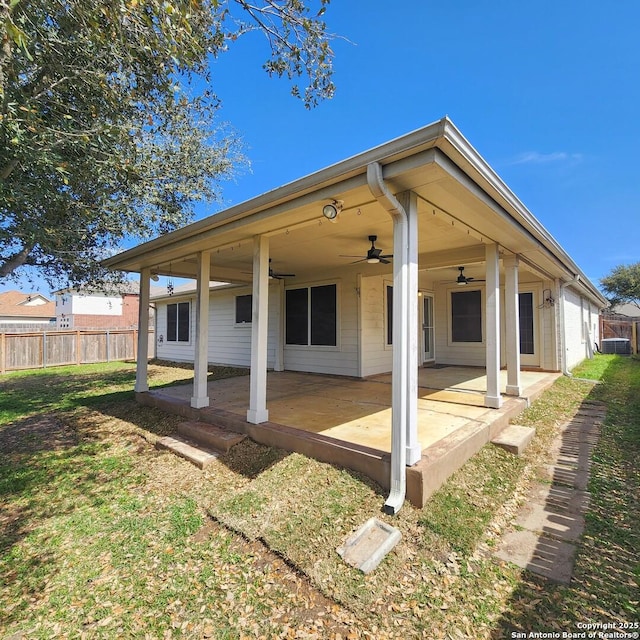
<point>409,202</point>
<point>257,411</point>
<point>512,318</point>
<point>492,337</point>
<point>142,361</point>
<point>200,396</point>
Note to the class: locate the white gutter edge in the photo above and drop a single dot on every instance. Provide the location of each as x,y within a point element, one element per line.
<point>400,338</point>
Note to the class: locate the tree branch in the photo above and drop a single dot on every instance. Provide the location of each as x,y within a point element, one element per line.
<point>14,261</point>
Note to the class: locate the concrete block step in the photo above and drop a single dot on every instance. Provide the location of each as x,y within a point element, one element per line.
<point>197,455</point>
<point>209,435</point>
<point>514,438</point>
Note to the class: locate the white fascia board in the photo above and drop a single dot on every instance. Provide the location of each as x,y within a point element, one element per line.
<point>498,189</point>
<point>270,201</point>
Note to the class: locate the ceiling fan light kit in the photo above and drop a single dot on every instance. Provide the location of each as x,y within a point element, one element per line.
<point>374,255</point>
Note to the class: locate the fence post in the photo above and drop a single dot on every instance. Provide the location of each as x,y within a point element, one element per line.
<point>78,358</point>
<point>135,344</point>
<point>634,337</point>
<point>3,348</point>
<point>44,349</point>
<point>108,345</point>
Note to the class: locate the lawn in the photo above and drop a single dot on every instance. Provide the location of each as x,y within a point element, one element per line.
<point>103,536</point>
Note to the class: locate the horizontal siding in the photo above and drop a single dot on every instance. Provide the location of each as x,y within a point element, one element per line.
<point>377,357</point>
<point>573,320</point>
<point>174,351</point>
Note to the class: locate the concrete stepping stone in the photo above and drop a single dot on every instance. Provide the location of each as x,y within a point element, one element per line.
<point>209,435</point>
<point>514,438</point>
<point>197,455</point>
<point>547,557</point>
<point>552,521</point>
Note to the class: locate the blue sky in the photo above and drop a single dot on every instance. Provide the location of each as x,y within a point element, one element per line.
<point>547,92</point>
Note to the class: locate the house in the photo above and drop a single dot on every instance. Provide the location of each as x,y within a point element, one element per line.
<point>26,311</point>
<point>80,309</point>
<point>412,254</point>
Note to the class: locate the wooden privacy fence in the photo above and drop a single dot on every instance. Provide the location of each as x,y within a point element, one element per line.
<point>618,328</point>
<point>53,348</point>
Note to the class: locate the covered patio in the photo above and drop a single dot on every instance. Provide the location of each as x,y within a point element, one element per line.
<point>347,421</point>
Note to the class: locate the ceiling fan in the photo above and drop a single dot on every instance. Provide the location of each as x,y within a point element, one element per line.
<point>273,275</point>
<point>373,256</point>
<point>462,279</point>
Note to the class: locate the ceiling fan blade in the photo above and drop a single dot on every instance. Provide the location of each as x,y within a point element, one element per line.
<point>356,261</point>
<point>343,256</point>
<point>384,261</point>
<point>386,255</point>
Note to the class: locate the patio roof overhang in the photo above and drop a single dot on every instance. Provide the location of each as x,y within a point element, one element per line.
<point>462,205</point>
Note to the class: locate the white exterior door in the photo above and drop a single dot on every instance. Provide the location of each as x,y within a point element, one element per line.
<point>428,352</point>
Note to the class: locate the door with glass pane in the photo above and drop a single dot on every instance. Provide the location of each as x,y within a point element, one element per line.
<point>528,311</point>
<point>428,352</point>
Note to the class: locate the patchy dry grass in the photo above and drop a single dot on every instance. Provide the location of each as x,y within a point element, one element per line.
<point>102,536</point>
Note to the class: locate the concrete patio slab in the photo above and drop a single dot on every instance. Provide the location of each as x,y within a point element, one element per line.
<point>347,421</point>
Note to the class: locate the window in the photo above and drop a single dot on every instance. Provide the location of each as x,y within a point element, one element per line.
<point>243,309</point>
<point>178,322</point>
<point>466,316</point>
<point>311,316</point>
<point>525,310</point>
<point>389,314</point>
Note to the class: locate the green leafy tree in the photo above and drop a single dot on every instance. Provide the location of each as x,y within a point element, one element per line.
<point>622,285</point>
<point>107,119</point>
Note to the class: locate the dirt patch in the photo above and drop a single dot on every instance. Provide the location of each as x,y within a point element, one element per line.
<point>43,432</point>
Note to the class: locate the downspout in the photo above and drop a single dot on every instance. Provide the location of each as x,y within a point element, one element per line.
<point>563,338</point>
<point>400,338</point>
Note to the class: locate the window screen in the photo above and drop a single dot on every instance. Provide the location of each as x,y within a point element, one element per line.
<point>323,315</point>
<point>311,315</point>
<point>297,316</point>
<point>389,314</point>
<point>525,305</point>
<point>178,322</point>
<point>243,309</point>
<point>466,316</point>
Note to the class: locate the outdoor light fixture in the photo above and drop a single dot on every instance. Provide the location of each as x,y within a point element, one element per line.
<point>331,211</point>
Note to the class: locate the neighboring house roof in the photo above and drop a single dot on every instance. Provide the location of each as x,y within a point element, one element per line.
<point>450,179</point>
<point>15,304</point>
<point>132,288</point>
<point>161,293</point>
<point>630,310</point>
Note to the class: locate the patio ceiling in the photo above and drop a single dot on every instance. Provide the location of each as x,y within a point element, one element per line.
<point>462,205</point>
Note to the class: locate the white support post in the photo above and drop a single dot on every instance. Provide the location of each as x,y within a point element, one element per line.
<point>492,338</point>
<point>142,360</point>
<point>257,411</point>
<point>512,318</point>
<point>409,202</point>
<point>200,396</point>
